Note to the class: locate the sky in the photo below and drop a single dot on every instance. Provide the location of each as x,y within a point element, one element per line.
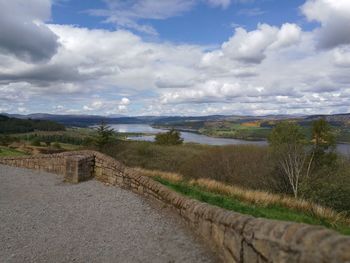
<point>175,57</point>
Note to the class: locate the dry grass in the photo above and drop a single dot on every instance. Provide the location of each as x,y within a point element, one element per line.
<point>254,197</point>
<point>172,177</point>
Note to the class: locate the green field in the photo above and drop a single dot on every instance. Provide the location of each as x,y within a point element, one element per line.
<point>236,131</point>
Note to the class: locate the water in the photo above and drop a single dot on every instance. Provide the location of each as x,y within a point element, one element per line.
<point>187,136</point>
<point>194,137</point>
<point>135,128</point>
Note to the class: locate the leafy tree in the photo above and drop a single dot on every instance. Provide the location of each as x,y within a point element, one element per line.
<point>171,137</point>
<point>322,136</point>
<point>289,149</point>
<point>104,135</point>
<point>323,145</point>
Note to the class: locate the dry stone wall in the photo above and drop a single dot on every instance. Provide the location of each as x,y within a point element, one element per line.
<point>236,237</point>
<point>75,166</point>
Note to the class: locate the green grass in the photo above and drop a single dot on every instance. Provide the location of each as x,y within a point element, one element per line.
<point>236,131</point>
<point>7,152</point>
<point>272,211</point>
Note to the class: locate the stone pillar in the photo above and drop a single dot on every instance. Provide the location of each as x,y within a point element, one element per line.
<point>78,168</point>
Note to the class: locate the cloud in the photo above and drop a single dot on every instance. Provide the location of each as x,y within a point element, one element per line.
<point>342,57</point>
<point>221,3</point>
<point>23,32</point>
<point>250,47</point>
<point>108,106</point>
<point>129,14</point>
<point>334,16</point>
<point>251,12</point>
<point>265,70</point>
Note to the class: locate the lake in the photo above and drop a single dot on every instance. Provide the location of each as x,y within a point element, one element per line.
<point>194,137</point>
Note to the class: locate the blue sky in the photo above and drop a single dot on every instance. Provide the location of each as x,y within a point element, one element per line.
<point>204,24</point>
<point>175,57</point>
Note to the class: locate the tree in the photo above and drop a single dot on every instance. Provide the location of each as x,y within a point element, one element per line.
<point>171,137</point>
<point>323,145</point>
<point>322,136</point>
<point>104,135</point>
<point>288,146</point>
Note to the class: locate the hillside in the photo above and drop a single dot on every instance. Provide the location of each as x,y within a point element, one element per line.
<point>15,125</point>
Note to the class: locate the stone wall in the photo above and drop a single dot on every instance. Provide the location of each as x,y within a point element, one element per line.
<point>75,166</point>
<point>236,237</point>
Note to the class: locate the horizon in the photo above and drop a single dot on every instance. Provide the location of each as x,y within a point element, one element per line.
<point>116,116</point>
<point>175,58</point>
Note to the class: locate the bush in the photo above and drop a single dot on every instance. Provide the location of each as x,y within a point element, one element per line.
<point>36,142</point>
<point>330,186</point>
<point>6,140</point>
<point>56,145</point>
<point>245,165</point>
<point>171,137</point>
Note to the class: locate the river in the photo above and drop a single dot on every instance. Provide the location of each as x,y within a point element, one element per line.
<point>194,137</point>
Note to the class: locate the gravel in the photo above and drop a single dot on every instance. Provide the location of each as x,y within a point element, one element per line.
<point>43,219</point>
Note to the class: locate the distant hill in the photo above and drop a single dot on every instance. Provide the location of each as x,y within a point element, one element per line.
<point>88,120</point>
<point>16,125</point>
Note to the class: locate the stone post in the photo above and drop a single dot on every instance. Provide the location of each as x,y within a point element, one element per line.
<point>78,168</point>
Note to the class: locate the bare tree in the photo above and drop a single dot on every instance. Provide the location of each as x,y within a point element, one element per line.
<point>289,147</point>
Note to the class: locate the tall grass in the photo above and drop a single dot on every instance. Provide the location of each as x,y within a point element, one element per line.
<point>254,197</point>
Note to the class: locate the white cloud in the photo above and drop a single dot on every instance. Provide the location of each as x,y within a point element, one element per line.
<point>269,69</point>
<point>251,46</point>
<point>124,101</point>
<point>334,16</point>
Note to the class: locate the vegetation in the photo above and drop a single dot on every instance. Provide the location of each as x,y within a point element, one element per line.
<point>13,125</point>
<point>36,142</point>
<point>254,128</point>
<point>244,131</point>
<point>255,203</point>
<point>323,177</point>
<point>6,140</point>
<point>171,137</point>
<point>326,181</point>
<point>8,152</point>
<point>288,145</point>
<point>104,135</point>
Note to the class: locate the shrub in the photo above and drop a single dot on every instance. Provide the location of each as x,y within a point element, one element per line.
<point>171,137</point>
<point>36,142</point>
<point>245,165</point>
<point>56,145</point>
<point>330,186</point>
<point>6,140</point>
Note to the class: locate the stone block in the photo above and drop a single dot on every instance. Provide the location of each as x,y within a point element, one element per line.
<point>78,168</point>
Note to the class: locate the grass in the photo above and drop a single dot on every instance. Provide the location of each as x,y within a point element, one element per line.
<point>7,152</point>
<point>244,131</point>
<point>255,203</point>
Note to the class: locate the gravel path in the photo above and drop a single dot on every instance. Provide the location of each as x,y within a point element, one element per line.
<point>43,219</point>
